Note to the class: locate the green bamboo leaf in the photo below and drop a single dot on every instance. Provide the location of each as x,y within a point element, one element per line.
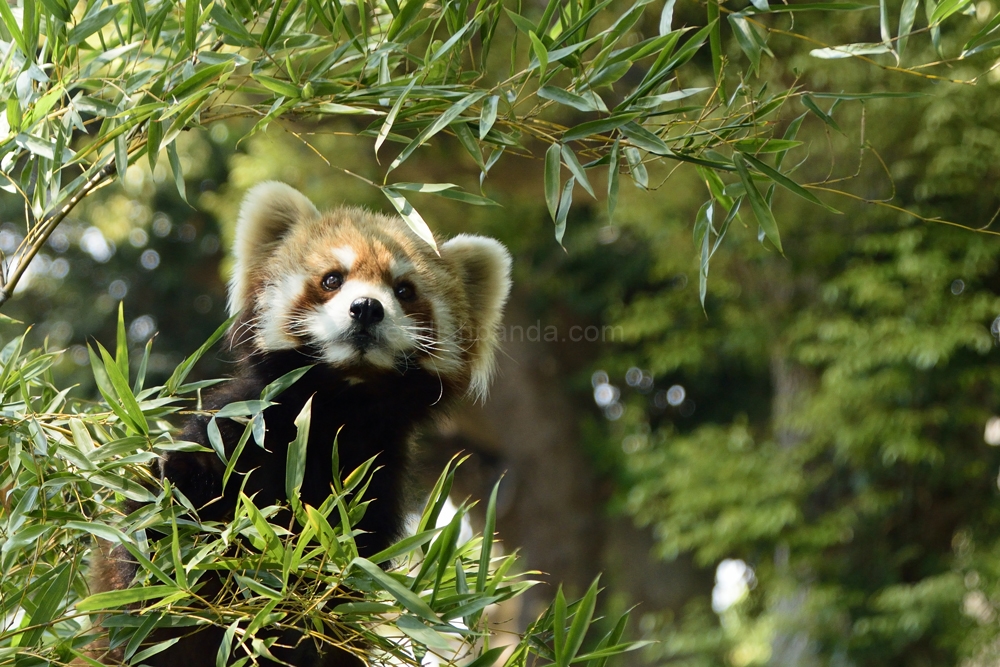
<point>581,622</point>
<point>92,23</point>
<point>850,50</point>
<point>552,163</point>
<point>486,549</point>
<point>613,167</point>
<point>278,86</point>
<point>410,215</point>
<point>765,145</point>
<point>116,599</point>
<point>137,8</point>
<point>49,602</point>
<point>808,103</point>
<point>295,459</point>
<point>180,373</point>
<point>702,240</point>
<point>226,645</point>
<point>488,658</point>
<point>559,626</point>
<point>823,7</point>
<point>985,46</point>
<point>522,24</point>
<point>760,208</point>
<point>99,530</point>
<point>979,37</point>
<point>19,514</point>
<point>667,17</point>
<point>418,631</point>
<point>565,201</point>
<point>121,342</point>
<point>569,158</point>
<point>786,182</point>
<point>592,129</point>
<point>403,595</point>
<point>636,167</point>
<point>748,43</point>
<point>12,27</point>
<point>175,168</point>
<point>154,135</point>
<point>883,23</point>
<point>609,74</point>
<point>58,9</point>
<point>613,650</point>
<point>192,9</point>
<point>946,8</point>
<point>182,113</point>
<point>869,96</point>
<point>450,44</point>
<point>566,98</point>
<point>439,124</point>
<point>276,388</point>
<point>446,190</point>
<point>541,53</point>
<point>644,139</point>
<point>488,115</point>
<point>404,546</point>
<point>275,28</point>
<point>200,78</point>
<point>391,117</point>
<point>407,13</point>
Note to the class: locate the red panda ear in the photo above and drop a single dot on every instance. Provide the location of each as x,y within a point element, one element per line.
<point>268,210</point>
<point>483,264</point>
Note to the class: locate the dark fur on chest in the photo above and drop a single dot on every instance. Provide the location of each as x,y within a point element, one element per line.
<point>376,416</point>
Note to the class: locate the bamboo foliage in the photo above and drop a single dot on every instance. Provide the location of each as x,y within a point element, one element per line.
<point>66,465</point>
<point>92,86</point>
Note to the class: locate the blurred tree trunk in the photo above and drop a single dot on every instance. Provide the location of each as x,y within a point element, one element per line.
<point>792,383</point>
<point>552,505</point>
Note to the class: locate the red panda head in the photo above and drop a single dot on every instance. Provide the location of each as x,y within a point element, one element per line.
<point>363,292</point>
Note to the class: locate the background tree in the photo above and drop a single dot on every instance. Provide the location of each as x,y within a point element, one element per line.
<point>807,491</point>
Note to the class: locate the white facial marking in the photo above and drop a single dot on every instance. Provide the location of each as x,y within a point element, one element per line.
<point>276,331</point>
<point>330,324</point>
<point>399,267</point>
<point>345,256</point>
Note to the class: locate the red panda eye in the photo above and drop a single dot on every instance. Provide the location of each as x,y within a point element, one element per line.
<point>332,281</point>
<point>405,291</point>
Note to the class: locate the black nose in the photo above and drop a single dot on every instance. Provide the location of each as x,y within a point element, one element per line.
<point>367,311</point>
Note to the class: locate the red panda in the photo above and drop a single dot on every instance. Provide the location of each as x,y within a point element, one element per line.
<point>394,330</point>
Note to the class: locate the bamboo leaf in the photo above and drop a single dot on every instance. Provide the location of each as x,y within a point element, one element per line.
<point>127,596</point>
<point>566,98</point>
<point>391,117</point>
<point>403,595</point>
<point>565,201</point>
<point>410,215</point>
<point>786,182</point>
<point>488,116</point>
<point>180,373</point>
<point>92,23</point>
<point>581,622</point>
<point>593,128</point>
<point>439,124</point>
<point>667,16</point>
<point>760,208</point>
<point>552,164</point>
<point>295,459</point>
<point>613,167</point>
<point>569,158</point>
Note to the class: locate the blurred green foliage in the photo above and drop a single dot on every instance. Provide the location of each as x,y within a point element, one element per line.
<point>830,429</point>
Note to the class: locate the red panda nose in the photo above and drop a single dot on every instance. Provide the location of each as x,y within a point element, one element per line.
<point>366,311</point>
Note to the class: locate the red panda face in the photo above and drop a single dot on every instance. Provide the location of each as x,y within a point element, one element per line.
<point>361,292</point>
